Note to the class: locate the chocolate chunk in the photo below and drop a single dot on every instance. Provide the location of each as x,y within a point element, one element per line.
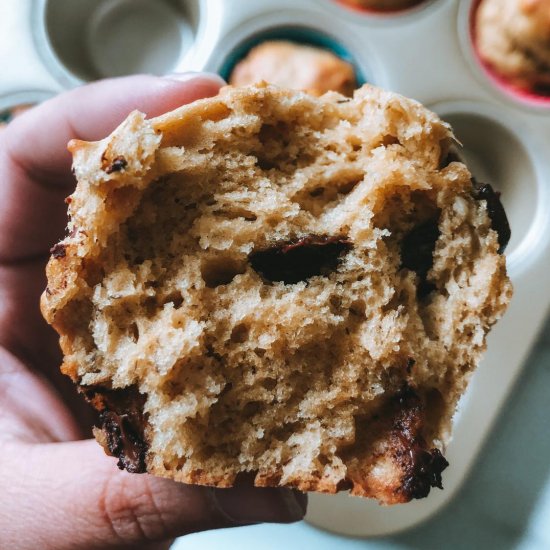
<point>424,472</point>
<point>495,210</point>
<point>394,434</point>
<point>300,260</point>
<point>421,467</point>
<point>344,485</point>
<point>417,251</point>
<point>122,420</point>
<point>118,164</point>
<point>58,250</point>
<point>124,442</point>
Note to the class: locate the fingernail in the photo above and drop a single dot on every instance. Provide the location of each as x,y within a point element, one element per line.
<point>246,505</point>
<point>192,75</point>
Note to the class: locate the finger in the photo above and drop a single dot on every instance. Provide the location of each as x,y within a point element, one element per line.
<point>22,327</point>
<point>93,111</point>
<point>76,498</point>
<point>23,417</point>
<point>34,161</point>
<point>28,337</point>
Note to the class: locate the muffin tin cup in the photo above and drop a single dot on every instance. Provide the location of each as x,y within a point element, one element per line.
<point>23,98</point>
<point>91,39</point>
<point>484,131</point>
<point>295,26</point>
<point>425,53</point>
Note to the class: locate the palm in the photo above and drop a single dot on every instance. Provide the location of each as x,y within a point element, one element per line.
<point>25,334</point>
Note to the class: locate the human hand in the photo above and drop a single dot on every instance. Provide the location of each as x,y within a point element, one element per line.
<point>59,491</point>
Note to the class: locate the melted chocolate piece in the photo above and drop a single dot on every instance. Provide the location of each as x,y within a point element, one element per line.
<point>297,261</point>
<point>421,467</point>
<point>118,164</point>
<point>495,210</point>
<point>417,251</point>
<point>344,485</point>
<point>122,420</point>
<point>424,472</point>
<point>58,250</point>
<point>124,442</point>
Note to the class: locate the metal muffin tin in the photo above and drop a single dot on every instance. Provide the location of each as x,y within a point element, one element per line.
<point>425,53</point>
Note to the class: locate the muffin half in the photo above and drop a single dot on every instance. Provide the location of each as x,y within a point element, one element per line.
<point>270,282</point>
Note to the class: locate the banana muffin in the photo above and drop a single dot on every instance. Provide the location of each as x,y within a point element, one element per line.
<point>513,38</point>
<point>272,283</point>
<point>295,66</point>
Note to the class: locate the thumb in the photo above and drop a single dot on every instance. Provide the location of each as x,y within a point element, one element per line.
<point>73,496</point>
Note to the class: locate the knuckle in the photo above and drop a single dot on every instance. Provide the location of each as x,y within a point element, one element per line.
<point>129,510</point>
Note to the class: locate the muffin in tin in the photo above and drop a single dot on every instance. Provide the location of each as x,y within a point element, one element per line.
<point>513,39</point>
<point>297,66</point>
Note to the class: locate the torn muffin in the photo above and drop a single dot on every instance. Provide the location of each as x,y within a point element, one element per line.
<point>269,282</point>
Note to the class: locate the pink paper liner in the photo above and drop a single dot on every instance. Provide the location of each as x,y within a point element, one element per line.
<point>373,11</point>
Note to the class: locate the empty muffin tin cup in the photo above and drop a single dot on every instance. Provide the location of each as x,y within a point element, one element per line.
<point>497,152</point>
<point>90,39</point>
<point>467,30</point>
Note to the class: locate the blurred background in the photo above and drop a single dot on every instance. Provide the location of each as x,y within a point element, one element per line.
<point>485,67</point>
